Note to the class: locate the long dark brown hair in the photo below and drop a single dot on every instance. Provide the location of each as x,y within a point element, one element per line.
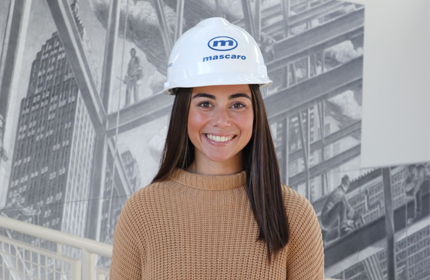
<point>263,181</point>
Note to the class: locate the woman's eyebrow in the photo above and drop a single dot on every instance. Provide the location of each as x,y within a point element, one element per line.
<point>204,95</point>
<point>236,95</point>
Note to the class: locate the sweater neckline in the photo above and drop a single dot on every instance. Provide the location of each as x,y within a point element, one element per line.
<point>209,182</point>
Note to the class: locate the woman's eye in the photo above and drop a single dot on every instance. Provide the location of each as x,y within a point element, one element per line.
<point>204,104</point>
<point>238,105</point>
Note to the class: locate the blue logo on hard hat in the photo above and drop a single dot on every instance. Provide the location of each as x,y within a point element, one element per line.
<point>222,43</point>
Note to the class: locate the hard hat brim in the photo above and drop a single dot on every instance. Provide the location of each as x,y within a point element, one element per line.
<point>217,80</point>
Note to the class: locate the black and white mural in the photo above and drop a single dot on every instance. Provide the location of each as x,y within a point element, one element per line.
<point>83,120</point>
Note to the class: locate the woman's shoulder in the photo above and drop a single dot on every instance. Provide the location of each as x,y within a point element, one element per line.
<point>291,196</point>
<point>152,189</point>
<point>297,207</point>
<point>147,196</point>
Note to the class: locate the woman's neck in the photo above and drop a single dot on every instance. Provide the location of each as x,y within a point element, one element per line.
<point>207,167</point>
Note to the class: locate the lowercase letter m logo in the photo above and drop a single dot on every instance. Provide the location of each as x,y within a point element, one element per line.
<point>222,43</point>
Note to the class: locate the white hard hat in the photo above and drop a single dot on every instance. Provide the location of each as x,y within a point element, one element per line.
<point>215,52</point>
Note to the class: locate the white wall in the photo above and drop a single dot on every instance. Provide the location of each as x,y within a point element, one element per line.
<point>396,103</point>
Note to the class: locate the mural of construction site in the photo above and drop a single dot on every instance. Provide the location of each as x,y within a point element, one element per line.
<point>83,122</point>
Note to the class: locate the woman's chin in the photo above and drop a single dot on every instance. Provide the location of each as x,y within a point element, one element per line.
<point>224,159</point>
<point>218,159</point>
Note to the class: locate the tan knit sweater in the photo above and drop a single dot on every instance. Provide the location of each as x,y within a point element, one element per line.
<point>202,227</point>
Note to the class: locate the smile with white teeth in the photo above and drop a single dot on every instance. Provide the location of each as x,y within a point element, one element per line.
<point>219,138</point>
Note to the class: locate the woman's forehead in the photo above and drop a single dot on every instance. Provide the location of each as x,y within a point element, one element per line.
<point>223,89</point>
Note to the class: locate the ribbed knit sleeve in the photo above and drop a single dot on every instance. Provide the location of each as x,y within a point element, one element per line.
<point>305,249</point>
<point>126,255</point>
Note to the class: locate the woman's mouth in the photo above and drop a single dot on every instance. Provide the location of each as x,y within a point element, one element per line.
<point>219,139</point>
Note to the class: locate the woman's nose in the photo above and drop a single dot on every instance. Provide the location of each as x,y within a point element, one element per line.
<point>221,118</point>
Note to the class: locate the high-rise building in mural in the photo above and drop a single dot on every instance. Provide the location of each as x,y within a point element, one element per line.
<point>53,157</point>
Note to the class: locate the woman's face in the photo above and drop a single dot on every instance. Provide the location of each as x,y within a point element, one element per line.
<point>220,124</point>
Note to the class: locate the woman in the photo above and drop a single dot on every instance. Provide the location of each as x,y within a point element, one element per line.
<point>217,208</point>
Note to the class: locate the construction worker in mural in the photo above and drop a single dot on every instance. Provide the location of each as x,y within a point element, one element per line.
<point>3,154</point>
<point>337,211</point>
<point>266,44</point>
<point>417,185</point>
<point>133,77</point>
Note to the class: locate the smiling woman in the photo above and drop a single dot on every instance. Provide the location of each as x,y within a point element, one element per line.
<point>217,208</point>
